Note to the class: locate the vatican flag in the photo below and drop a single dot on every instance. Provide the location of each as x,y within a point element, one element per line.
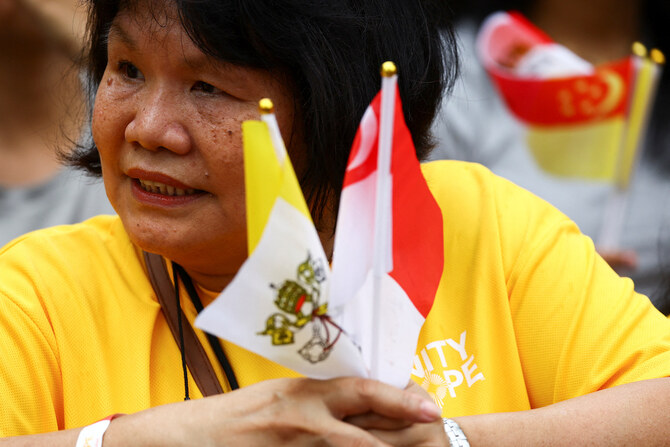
<point>277,304</point>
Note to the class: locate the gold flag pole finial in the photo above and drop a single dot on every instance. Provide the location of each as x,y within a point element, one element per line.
<point>657,56</point>
<point>639,49</point>
<point>388,69</point>
<point>265,106</point>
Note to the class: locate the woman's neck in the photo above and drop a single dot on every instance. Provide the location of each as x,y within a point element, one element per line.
<point>215,282</point>
<point>597,30</point>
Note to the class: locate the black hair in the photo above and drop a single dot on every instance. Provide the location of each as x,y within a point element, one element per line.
<point>330,51</point>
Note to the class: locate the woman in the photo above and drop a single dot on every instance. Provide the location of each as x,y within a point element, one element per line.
<point>83,334</point>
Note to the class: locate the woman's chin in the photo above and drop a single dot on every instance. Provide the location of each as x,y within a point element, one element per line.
<point>194,249</point>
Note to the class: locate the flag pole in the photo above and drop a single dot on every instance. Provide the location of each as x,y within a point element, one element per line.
<point>383,259</point>
<point>257,197</point>
<point>266,109</point>
<point>648,67</point>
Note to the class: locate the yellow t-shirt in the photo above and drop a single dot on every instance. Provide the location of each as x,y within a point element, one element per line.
<point>526,315</point>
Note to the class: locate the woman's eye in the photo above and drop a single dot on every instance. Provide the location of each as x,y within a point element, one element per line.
<point>205,87</point>
<point>129,70</point>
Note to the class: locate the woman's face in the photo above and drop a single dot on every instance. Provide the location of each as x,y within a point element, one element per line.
<point>167,124</point>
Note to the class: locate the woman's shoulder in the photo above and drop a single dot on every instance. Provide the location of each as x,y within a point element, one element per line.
<point>80,260</point>
<point>74,239</point>
<point>445,173</point>
<point>463,181</point>
<point>467,183</point>
<point>480,206</point>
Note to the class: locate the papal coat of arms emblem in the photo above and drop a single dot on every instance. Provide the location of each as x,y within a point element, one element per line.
<point>299,302</point>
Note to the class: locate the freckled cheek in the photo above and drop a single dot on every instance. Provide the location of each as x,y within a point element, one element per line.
<point>226,135</point>
<point>227,165</point>
<point>100,129</point>
<point>228,173</point>
<point>230,195</point>
<point>224,139</point>
<point>98,124</point>
<point>222,147</point>
<point>108,123</point>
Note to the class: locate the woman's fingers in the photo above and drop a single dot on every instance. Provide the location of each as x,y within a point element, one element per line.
<point>351,396</point>
<point>370,421</point>
<point>402,432</point>
<point>344,434</point>
<point>421,434</point>
<point>306,411</point>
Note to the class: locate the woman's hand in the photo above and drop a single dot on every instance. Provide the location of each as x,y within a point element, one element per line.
<point>403,432</point>
<point>286,411</point>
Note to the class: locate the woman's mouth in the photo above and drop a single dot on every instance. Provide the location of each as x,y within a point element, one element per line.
<point>162,188</point>
<point>155,193</point>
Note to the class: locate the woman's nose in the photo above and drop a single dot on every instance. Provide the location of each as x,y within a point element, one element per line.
<point>159,123</point>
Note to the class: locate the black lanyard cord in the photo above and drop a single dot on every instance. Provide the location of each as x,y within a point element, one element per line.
<point>182,348</point>
<point>178,271</point>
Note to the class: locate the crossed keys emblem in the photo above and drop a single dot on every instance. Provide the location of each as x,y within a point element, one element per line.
<point>299,303</point>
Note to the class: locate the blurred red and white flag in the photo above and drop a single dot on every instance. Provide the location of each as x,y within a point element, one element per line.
<point>388,254</point>
<point>582,121</point>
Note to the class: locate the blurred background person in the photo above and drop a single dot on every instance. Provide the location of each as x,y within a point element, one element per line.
<point>475,125</point>
<point>42,111</point>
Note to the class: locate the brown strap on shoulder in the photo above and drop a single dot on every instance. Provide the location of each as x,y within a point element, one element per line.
<point>196,357</point>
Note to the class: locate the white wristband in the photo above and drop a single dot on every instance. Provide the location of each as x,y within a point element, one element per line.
<point>91,435</point>
<point>454,433</point>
